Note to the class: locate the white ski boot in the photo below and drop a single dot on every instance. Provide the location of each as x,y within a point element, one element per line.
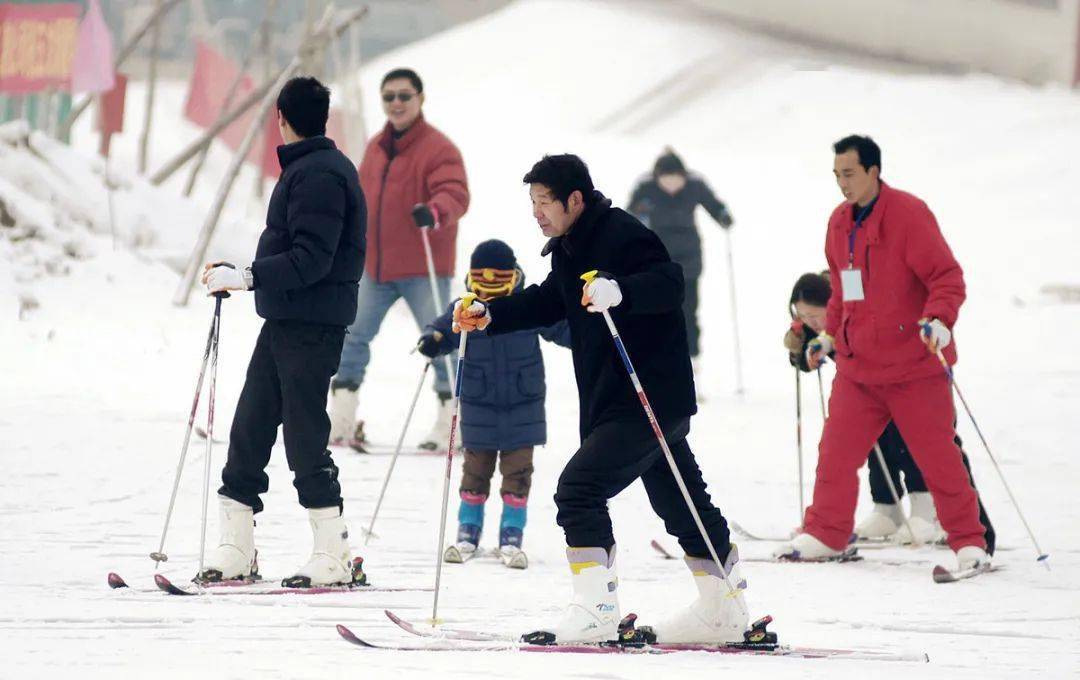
<point>331,560</point>
<point>972,557</point>
<point>883,522</point>
<point>439,436</point>
<point>513,557</point>
<point>593,612</point>
<point>343,404</point>
<point>715,617</point>
<point>806,548</point>
<point>235,555</point>
<point>460,552</point>
<point>923,521</point>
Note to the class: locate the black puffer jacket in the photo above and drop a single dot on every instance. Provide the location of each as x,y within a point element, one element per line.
<point>649,319</point>
<point>311,253</point>
<point>672,217</point>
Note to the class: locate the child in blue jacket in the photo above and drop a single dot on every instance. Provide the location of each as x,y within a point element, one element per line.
<point>502,406</point>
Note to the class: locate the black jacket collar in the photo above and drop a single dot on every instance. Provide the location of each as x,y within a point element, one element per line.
<point>287,153</point>
<point>581,230</point>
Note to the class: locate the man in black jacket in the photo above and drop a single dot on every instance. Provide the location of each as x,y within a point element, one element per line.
<point>665,202</point>
<point>642,290</point>
<point>305,272</point>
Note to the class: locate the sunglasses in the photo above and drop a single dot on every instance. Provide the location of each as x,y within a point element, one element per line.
<point>402,97</point>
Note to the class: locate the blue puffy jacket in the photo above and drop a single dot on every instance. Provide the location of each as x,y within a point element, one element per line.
<point>502,385</point>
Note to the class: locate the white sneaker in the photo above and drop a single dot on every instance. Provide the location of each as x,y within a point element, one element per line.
<point>235,555</point>
<point>805,547</point>
<point>439,436</point>
<point>593,612</point>
<point>715,617</point>
<point>971,557</point>
<point>460,552</point>
<point>343,404</point>
<point>882,522</point>
<point>513,557</point>
<point>331,559</point>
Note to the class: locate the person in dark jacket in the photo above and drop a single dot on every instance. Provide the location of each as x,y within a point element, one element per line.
<point>304,276</point>
<point>665,202</point>
<point>642,289</point>
<point>807,305</point>
<point>502,406</point>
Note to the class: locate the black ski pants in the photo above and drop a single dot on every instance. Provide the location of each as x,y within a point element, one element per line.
<point>287,383</point>
<point>611,457</point>
<point>690,311</point>
<point>898,459</point>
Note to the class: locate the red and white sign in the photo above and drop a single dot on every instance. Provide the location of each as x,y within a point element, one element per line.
<point>37,46</point>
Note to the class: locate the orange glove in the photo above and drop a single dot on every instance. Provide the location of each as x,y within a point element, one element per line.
<point>470,314</point>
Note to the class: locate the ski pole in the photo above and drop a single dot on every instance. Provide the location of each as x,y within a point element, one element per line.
<point>210,426</point>
<point>159,555</point>
<point>732,591</point>
<point>734,315</point>
<point>798,439</point>
<point>1040,555</point>
<point>425,220</point>
<point>466,302</point>
<point>915,542</point>
<point>368,533</point>
<point>821,393</point>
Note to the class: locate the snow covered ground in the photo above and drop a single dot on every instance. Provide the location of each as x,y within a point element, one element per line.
<point>98,378</point>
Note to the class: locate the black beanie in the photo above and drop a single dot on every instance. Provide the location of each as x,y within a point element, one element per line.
<point>493,254</point>
<point>669,164</point>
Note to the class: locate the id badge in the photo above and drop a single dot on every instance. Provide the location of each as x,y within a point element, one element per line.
<point>851,284</point>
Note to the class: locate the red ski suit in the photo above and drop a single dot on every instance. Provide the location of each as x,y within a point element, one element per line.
<point>884,370</point>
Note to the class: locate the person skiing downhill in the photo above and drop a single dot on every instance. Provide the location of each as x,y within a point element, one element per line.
<point>642,289</point>
<point>896,293</point>
<point>304,276</point>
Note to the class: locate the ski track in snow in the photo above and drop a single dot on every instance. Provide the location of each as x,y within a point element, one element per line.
<point>96,397</point>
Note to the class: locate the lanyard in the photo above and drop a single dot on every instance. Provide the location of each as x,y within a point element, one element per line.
<point>854,232</point>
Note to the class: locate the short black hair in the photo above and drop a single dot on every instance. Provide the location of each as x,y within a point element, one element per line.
<point>563,174</point>
<point>869,151</point>
<point>399,73</point>
<point>813,289</point>
<point>305,104</point>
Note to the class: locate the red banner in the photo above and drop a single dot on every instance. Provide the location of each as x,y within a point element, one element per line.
<point>37,46</point>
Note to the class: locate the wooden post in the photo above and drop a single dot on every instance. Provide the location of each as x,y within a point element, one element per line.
<point>191,272</point>
<point>253,98</point>
<point>151,85</point>
<point>121,56</point>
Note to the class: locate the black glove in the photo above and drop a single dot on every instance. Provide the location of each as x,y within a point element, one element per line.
<point>428,344</point>
<point>726,220</point>
<point>422,216</point>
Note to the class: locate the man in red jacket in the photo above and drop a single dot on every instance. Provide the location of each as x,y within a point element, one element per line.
<point>893,275</point>
<point>408,163</point>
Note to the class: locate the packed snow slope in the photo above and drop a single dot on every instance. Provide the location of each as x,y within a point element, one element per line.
<point>98,377</point>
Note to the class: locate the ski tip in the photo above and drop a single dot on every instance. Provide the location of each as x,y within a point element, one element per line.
<point>115,581</point>
<point>392,616</point>
<point>1043,557</point>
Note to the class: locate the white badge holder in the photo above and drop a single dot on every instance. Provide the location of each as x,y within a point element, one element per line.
<point>851,284</point>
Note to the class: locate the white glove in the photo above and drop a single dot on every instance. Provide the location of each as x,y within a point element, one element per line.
<point>934,334</point>
<point>601,295</point>
<point>819,348</point>
<point>218,278</point>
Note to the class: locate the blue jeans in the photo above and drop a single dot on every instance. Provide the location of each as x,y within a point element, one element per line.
<point>373,302</point>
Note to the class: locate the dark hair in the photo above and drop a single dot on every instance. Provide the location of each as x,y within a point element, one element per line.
<point>399,73</point>
<point>563,174</point>
<point>305,105</point>
<point>869,151</point>
<point>813,289</point>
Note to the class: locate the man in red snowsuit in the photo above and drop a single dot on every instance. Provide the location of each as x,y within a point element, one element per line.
<point>896,293</point>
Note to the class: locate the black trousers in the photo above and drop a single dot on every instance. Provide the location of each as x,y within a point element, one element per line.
<point>689,308</point>
<point>611,457</point>
<point>287,383</point>
<point>898,459</point>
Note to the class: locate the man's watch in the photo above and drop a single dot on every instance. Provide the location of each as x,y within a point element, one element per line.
<point>249,278</point>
